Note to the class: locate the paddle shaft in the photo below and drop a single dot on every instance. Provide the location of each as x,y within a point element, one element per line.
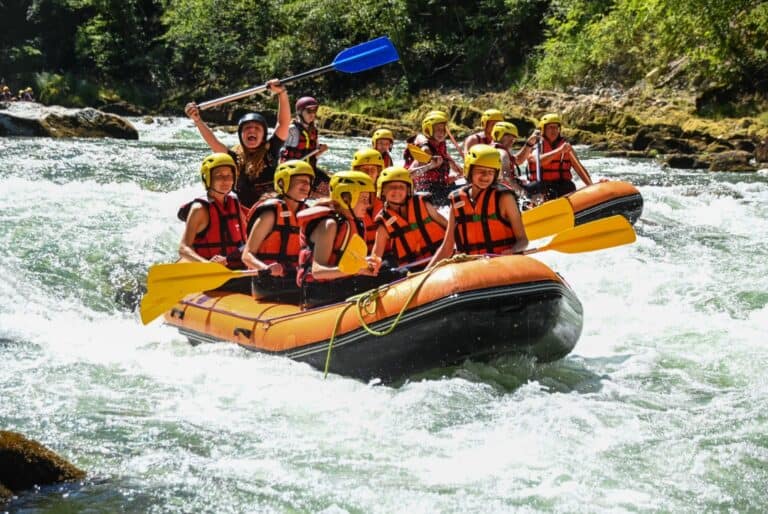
<point>538,159</point>
<point>453,140</point>
<point>257,89</point>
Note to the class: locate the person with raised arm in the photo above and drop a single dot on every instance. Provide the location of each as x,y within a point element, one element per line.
<point>256,155</point>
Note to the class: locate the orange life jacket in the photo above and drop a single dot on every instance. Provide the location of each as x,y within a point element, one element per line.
<point>308,221</point>
<point>553,171</point>
<point>479,228</point>
<point>417,237</point>
<point>307,143</point>
<point>369,222</point>
<point>224,234</point>
<point>282,243</point>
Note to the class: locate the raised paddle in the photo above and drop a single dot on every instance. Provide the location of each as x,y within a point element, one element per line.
<point>595,235</point>
<point>548,219</point>
<point>365,56</point>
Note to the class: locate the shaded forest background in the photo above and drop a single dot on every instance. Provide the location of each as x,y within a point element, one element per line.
<point>160,53</point>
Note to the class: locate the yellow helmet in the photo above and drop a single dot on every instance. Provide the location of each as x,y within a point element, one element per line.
<point>352,182</point>
<point>491,115</point>
<point>367,156</point>
<point>28,90</point>
<point>431,119</point>
<point>503,128</point>
<point>550,118</point>
<point>482,155</point>
<point>289,169</point>
<point>382,134</point>
<point>6,88</point>
<point>214,161</point>
<point>393,174</point>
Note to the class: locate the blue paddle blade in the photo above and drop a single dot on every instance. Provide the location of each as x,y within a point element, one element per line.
<point>365,56</point>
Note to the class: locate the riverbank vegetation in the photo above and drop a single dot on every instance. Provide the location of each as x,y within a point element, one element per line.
<point>159,53</point>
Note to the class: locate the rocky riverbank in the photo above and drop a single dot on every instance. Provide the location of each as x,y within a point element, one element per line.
<point>632,124</point>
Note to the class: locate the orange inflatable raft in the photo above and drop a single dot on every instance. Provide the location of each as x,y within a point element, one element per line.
<point>604,199</point>
<point>471,308</point>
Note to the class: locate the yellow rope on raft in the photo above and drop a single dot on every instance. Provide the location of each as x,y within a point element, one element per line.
<point>365,300</point>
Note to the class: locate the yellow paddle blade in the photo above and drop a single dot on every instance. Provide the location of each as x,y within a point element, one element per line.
<point>548,219</point>
<point>187,277</point>
<point>353,259</point>
<point>420,155</point>
<point>596,235</point>
<point>153,306</point>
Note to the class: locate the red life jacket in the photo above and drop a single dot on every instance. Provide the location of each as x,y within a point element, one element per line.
<point>307,143</point>
<point>415,238</point>
<point>282,243</point>
<point>556,169</point>
<point>479,228</point>
<point>387,159</point>
<point>439,176</point>
<point>224,234</point>
<point>308,221</point>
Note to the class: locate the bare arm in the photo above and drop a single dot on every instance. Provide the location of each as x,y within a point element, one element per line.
<point>511,213</point>
<point>470,142</point>
<point>435,215</point>
<point>522,155</point>
<point>323,237</point>
<point>210,138</point>
<point>283,109</point>
<point>262,227</point>
<point>446,248</point>
<point>382,238</point>
<point>197,221</point>
<point>580,169</point>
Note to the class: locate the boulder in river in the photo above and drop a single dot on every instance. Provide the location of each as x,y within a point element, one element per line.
<point>32,119</point>
<point>25,463</point>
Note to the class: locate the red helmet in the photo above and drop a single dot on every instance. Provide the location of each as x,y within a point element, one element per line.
<point>305,102</point>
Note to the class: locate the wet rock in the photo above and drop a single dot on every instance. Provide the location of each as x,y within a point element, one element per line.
<point>668,145</point>
<point>25,463</point>
<point>359,125</point>
<point>684,162</point>
<point>122,108</point>
<point>735,160</point>
<point>761,151</point>
<point>32,119</point>
<point>5,494</point>
<point>632,154</point>
<point>745,145</point>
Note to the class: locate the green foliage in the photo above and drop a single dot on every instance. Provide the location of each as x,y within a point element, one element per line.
<point>146,50</point>
<point>67,90</point>
<point>619,42</point>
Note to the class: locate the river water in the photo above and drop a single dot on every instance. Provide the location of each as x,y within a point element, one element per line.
<point>662,406</point>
